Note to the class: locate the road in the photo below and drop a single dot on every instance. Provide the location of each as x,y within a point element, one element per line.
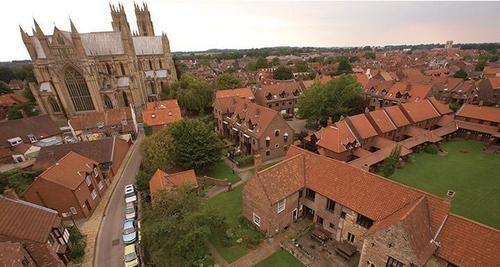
<point>109,245</point>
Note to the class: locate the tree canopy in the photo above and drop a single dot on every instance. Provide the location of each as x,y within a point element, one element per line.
<point>227,81</point>
<point>157,151</point>
<point>193,94</point>
<point>176,226</point>
<point>341,96</point>
<point>301,66</point>
<point>344,66</point>
<point>462,74</point>
<point>282,73</point>
<point>261,63</point>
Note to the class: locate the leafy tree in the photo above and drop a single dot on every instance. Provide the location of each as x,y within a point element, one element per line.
<point>480,65</point>
<point>462,74</point>
<point>261,63</point>
<point>227,81</point>
<point>301,66</point>
<point>175,228</point>
<point>369,55</point>
<point>195,145</point>
<point>353,59</point>
<point>28,94</point>
<point>494,58</point>
<point>180,68</point>
<point>282,73</point>
<point>157,152</point>
<point>468,57</point>
<point>193,94</point>
<point>251,66</point>
<point>390,163</point>
<point>230,70</point>
<point>19,180</point>
<point>344,66</point>
<point>6,74</point>
<point>336,98</point>
<point>4,88</point>
<point>16,112</point>
<point>275,61</point>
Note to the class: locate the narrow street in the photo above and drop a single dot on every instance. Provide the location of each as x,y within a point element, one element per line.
<point>109,246</point>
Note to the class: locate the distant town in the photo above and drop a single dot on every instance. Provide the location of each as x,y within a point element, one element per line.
<point>116,151</point>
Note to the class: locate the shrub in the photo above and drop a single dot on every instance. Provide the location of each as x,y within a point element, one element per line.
<point>285,116</point>
<point>78,245</point>
<point>244,160</point>
<point>431,149</point>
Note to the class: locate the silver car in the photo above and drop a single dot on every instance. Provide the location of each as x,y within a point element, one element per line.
<point>130,213</point>
<point>129,233</point>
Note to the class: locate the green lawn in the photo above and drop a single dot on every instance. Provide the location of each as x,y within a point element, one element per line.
<point>473,174</point>
<point>222,171</point>
<point>229,204</point>
<point>280,259</point>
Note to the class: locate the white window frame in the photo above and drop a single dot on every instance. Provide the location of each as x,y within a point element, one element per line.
<point>95,172</point>
<point>72,210</point>
<point>281,206</point>
<point>93,194</point>
<point>351,235</point>
<point>66,235</point>
<point>33,139</point>
<point>256,219</point>
<point>100,185</point>
<point>88,181</point>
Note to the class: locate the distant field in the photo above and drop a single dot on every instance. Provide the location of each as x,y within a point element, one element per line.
<point>473,174</point>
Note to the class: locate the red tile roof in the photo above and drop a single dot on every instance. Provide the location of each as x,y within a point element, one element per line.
<point>109,117</point>
<point>397,116</point>
<point>336,138</point>
<point>480,112</point>
<point>162,180</point>
<point>238,92</point>
<point>26,221</point>
<point>382,121</point>
<point>420,111</point>
<point>69,171</point>
<point>362,126</point>
<point>161,112</point>
<point>467,243</point>
<point>441,107</point>
<point>12,99</point>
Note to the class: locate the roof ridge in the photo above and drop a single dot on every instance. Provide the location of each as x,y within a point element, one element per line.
<point>279,163</point>
<point>33,205</point>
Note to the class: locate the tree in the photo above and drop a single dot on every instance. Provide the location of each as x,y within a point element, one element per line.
<point>353,59</point>
<point>176,226</point>
<point>180,68</point>
<point>390,163</point>
<point>275,61</point>
<point>369,55</point>
<point>344,66</point>
<point>195,145</point>
<point>338,97</point>
<point>251,66</point>
<point>6,74</point>
<point>16,112</point>
<point>282,73</point>
<point>301,66</point>
<point>4,88</point>
<point>19,179</point>
<point>480,65</point>
<point>227,81</point>
<point>193,94</point>
<point>462,74</point>
<point>261,63</point>
<point>157,152</point>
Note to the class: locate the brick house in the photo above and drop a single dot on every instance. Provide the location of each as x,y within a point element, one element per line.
<point>281,96</point>
<point>73,186</point>
<point>253,128</point>
<point>160,114</point>
<point>100,124</point>
<point>479,122</point>
<point>489,90</point>
<point>38,130</point>
<point>388,223</point>
<point>162,180</point>
<point>108,152</point>
<point>31,235</point>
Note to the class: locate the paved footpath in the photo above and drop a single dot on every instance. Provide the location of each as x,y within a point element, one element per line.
<point>90,227</point>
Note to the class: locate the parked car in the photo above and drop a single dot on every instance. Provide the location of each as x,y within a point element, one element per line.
<point>130,256</point>
<point>129,234</point>
<point>130,213</point>
<point>130,194</point>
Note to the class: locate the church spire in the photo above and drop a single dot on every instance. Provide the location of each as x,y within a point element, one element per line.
<point>73,28</point>
<point>37,28</point>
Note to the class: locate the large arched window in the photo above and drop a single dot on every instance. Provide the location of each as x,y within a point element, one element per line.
<point>78,90</point>
<point>53,104</point>
<point>125,99</point>
<point>107,102</point>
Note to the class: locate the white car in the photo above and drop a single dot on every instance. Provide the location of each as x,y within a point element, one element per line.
<point>130,213</point>
<point>130,194</point>
<point>129,234</point>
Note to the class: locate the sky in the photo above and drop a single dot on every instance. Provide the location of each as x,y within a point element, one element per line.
<point>200,25</point>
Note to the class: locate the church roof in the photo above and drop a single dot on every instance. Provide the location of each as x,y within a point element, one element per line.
<point>147,45</point>
<point>102,43</point>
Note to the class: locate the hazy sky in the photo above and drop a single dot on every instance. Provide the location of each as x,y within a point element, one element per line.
<point>200,25</point>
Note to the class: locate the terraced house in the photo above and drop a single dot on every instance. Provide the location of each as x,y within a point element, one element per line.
<point>388,223</point>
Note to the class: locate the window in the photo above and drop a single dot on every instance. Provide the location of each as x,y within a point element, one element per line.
<point>268,152</point>
<point>393,263</point>
<point>276,145</point>
<point>276,132</point>
<point>350,237</point>
<point>281,205</point>
<point>108,68</point>
<point>330,205</point>
<point>93,194</point>
<point>160,63</point>
<point>285,137</point>
<point>96,173</point>
<point>256,219</point>
<point>268,141</point>
<point>364,221</point>
<point>78,90</point>
<point>32,138</point>
<point>88,181</point>
<point>332,225</point>
<point>342,215</point>
<point>100,185</point>
<point>122,68</point>
<point>310,194</point>
<point>72,210</point>
<point>150,65</point>
<point>107,102</point>
<point>319,220</point>
<point>53,104</point>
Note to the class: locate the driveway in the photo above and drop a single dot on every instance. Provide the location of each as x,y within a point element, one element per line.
<point>109,245</point>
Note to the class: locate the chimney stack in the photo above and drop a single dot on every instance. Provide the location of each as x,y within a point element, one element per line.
<point>257,162</point>
<point>449,196</point>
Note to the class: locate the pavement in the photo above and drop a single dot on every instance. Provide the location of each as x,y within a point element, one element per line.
<point>106,221</point>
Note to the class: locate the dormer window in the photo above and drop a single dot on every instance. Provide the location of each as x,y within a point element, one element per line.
<point>285,137</point>
<point>269,96</point>
<point>32,138</point>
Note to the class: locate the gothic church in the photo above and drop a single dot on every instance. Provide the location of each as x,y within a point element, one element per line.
<point>82,72</point>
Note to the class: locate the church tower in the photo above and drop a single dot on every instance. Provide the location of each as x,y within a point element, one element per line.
<point>119,19</point>
<point>144,23</point>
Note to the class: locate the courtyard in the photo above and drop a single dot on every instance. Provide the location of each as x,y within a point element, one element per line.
<point>466,169</point>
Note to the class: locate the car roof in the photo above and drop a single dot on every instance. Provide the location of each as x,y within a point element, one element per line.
<point>130,205</point>
<point>128,224</point>
<point>129,249</point>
